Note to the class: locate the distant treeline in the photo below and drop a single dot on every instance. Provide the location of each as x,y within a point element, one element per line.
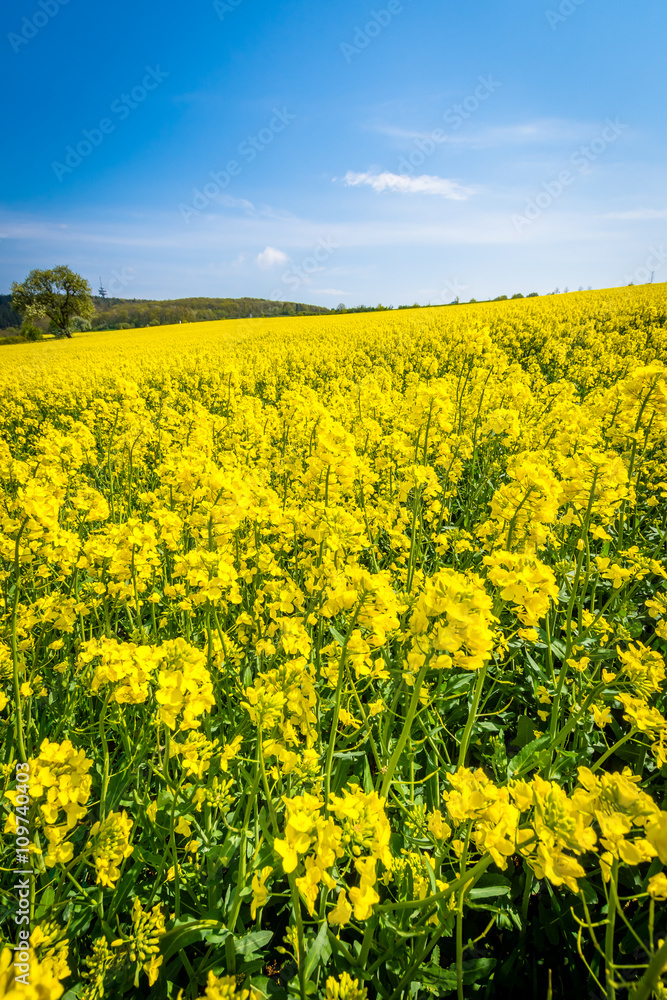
<point>124,314</point>
<point>8,317</point>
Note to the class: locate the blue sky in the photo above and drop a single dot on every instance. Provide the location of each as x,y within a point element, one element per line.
<point>397,152</point>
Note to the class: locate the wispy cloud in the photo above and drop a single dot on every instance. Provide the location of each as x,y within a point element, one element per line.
<point>229,202</point>
<point>543,131</point>
<point>638,214</point>
<point>271,258</point>
<point>404,184</point>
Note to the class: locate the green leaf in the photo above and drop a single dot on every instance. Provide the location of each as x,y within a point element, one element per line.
<point>490,885</point>
<point>525,730</point>
<point>46,899</point>
<point>533,663</point>
<point>558,648</point>
<point>74,992</point>
<point>587,891</point>
<point>478,968</point>
<point>264,824</point>
<point>368,777</point>
<point>186,933</point>
<point>124,888</point>
<point>320,950</point>
<point>230,956</point>
<point>252,942</point>
<point>141,854</point>
<point>518,762</point>
<point>79,922</point>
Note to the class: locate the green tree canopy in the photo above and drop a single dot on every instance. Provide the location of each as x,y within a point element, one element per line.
<point>59,294</point>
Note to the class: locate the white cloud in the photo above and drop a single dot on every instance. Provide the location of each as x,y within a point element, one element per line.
<point>330,291</point>
<point>404,184</point>
<point>271,258</point>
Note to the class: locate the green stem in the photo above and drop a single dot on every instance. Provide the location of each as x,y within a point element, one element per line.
<point>240,879</point>
<point>339,693</point>
<point>403,738</point>
<point>413,541</point>
<point>525,901</point>
<point>428,946</point>
<point>296,905</point>
<point>609,935</point>
<point>265,783</point>
<point>368,939</point>
<point>619,743</point>
<point>15,654</point>
<point>105,749</point>
<point>467,732</point>
<point>459,918</point>
<point>417,904</point>
<point>642,990</point>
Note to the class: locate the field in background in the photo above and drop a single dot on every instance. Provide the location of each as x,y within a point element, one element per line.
<point>334,646</point>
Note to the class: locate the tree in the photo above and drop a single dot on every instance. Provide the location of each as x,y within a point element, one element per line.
<point>59,294</point>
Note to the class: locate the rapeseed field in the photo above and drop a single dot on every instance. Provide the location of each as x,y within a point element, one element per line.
<point>332,655</point>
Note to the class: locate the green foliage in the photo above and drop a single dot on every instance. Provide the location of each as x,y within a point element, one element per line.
<point>59,294</point>
<point>80,324</point>
<point>31,333</point>
<point>9,318</point>
<point>123,314</point>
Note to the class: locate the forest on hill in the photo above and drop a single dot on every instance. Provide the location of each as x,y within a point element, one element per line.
<point>124,314</point>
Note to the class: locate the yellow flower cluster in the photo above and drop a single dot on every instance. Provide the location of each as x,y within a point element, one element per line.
<point>526,583</point>
<point>281,703</point>
<point>361,834</point>
<point>607,815</point>
<point>59,782</point>
<point>185,688</point>
<point>109,844</point>
<point>126,666</point>
<point>345,988</point>
<point>177,670</point>
<point>41,983</point>
<point>452,618</point>
<point>144,947</point>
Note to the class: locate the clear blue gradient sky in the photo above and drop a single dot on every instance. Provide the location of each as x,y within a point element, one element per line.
<point>335,151</point>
